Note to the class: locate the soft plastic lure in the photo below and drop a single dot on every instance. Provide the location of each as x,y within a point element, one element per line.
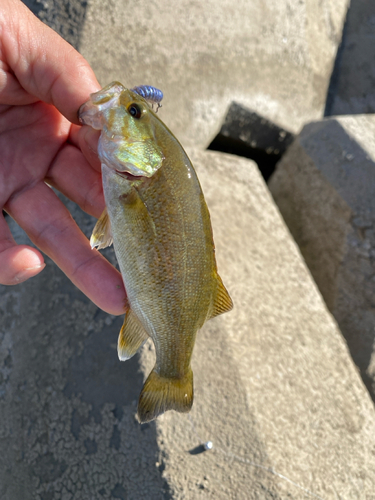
<point>151,94</point>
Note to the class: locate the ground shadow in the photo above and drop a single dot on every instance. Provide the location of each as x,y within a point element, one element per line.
<point>352,85</point>
<point>67,404</point>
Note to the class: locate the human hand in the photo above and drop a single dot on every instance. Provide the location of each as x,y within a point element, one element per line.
<point>43,81</point>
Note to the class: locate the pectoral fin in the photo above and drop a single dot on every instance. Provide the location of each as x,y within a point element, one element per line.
<point>222,302</point>
<point>131,337</point>
<point>102,235</point>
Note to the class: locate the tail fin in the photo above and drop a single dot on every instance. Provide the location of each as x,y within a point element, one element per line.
<point>160,394</point>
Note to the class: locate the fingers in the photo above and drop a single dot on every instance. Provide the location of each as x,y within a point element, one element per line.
<point>73,176</point>
<point>45,65</point>
<point>17,262</point>
<point>50,226</point>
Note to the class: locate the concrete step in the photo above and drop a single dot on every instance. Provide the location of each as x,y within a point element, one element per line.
<point>276,391</point>
<point>324,187</point>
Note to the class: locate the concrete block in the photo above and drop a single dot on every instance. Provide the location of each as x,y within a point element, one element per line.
<point>273,57</point>
<point>275,389</point>
<point>351,89</point>
<point>324,187</point>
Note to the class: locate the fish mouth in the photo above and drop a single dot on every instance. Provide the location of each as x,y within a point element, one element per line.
<point>129,176</point>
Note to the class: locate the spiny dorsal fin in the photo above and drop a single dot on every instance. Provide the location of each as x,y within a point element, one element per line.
<point>222,302</point>
<point>102,235</point>
<point>131,337</point>
<point>160,394</point>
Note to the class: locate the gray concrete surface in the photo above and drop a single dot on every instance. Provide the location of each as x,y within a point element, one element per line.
<point>324,187</point>
<point>352,88</point>
<point>276,390</point>
<point>274,57</point>
<point>64,16</point>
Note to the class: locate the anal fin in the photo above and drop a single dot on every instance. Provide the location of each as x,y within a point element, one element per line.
<point>131,337</point>
<point>102,235</point>
<point>222,302</point>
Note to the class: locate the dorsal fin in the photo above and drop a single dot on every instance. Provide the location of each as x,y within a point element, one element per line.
<point>131,337</point>
<point>102,235</point>
<point>222,302</point>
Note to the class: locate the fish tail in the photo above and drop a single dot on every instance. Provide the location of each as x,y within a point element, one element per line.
<point>160,394</point>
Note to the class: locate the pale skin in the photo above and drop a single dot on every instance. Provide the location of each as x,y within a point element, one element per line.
<point>43,82</point>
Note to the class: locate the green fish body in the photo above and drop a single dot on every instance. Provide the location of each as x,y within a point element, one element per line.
<point>162,236</point>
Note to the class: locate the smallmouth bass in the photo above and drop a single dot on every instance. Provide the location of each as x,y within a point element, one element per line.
<point>160,226</point>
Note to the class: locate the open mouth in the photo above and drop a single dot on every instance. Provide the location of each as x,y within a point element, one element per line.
<point>130,177</point>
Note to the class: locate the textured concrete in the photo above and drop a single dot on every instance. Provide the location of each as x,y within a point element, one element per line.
<point>276,391</point>
<point>64,16</point>
<point>352,88</point>
<point>273,57</point>
<point>324,187</point>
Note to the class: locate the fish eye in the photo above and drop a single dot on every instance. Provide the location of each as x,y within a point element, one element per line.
<point>135,110</point>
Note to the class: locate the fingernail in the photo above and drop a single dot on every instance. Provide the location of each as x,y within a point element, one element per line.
<point>27,273</point>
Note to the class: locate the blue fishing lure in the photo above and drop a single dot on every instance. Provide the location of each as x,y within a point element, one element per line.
<point>151,94</point>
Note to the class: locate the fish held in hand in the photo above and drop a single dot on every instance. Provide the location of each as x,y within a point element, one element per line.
<point>159,222</point>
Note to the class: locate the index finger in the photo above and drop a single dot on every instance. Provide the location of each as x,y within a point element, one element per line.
<point>52,229</point>
<point>45,65</point>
